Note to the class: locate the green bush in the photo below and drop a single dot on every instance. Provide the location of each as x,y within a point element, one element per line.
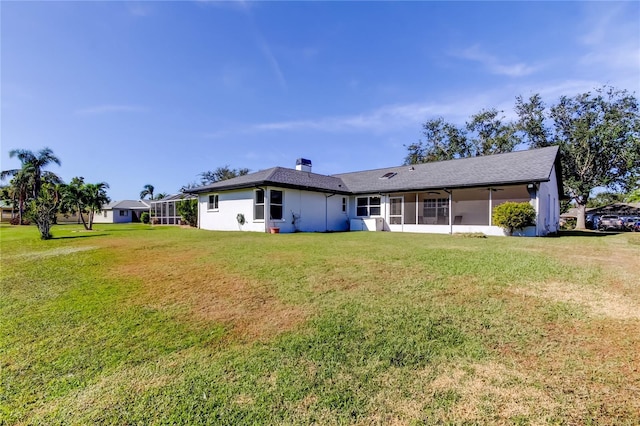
<point>145,218</point>
<point>511,216</point>
<point>188,209</point>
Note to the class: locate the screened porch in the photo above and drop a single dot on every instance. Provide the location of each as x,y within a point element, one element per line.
<point>464,209</point>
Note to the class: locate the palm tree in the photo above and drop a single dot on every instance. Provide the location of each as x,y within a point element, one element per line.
<point>33,164</point>
<point>28,179</point>
<point>73,198</point>
<point>20,184</point>
<point>95,196</point>
<point>148,190</point>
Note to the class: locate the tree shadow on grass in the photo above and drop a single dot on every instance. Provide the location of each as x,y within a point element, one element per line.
<point>66,237</point>
<point>575,233</point>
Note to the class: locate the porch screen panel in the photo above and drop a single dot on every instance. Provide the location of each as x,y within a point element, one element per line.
<point>395,213</point>
<point>410,217</point>
<point>436,211</point>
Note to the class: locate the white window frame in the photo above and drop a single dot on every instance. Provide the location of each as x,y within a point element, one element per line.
<point>273,204</point>
<point>124,212</point>
<point>257,205</point>
<point>213,202</point>
<point>369,206</point>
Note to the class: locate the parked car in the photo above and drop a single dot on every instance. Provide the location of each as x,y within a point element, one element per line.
<point>611,222</point>
<point>630,223</point>
<point>636,226</point>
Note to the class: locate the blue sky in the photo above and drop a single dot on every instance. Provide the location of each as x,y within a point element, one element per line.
<point>156,92</point>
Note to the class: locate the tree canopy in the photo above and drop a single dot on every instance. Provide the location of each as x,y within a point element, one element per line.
<point>221,173</point>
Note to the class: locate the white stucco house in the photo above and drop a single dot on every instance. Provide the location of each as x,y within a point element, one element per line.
<point>124,211</point>
<point>442,197</point>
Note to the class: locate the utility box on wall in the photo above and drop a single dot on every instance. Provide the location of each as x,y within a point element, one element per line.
<point>371,224</point>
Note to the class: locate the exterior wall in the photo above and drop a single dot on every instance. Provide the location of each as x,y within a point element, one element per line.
<point>548,200</point>
<point>103,216</point>
<point>308,211</point>
<point>7,215</point>
<point>112,216</point>
<point>313,211</point>
<point>230,203</point>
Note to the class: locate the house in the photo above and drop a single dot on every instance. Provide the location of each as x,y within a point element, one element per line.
<point>442,197</point>
<point>124,211</point>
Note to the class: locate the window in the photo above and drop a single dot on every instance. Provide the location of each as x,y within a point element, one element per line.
<point>104,212</point>
<point>368,206</point>
<point>124,212</point>
<point>258,205</point>
<point>344,204</point>
<point>437,210</point>
<point>213,202</point>
<point>275,205</point>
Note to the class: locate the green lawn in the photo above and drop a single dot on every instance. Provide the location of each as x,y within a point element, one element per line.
<point>131,324</point>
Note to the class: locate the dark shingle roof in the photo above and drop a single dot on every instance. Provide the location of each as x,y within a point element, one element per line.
<point>127,205</point>
<point>279,176</point>
<point>500,169</point>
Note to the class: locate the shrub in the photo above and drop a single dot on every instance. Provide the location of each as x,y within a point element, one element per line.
<point>511,216</point>
<point>188,209</point>
<point>568,224</point>
<point>145,218</point>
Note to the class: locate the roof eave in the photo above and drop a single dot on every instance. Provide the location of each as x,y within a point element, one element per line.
<point>204,190</point>
<point>443,187</point>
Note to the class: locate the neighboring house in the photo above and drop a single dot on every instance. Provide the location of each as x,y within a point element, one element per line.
<point>122,211</point>
<point>619,209</point>
<point>7,211</point>
<point>443,197</point>
<point>165,210</point>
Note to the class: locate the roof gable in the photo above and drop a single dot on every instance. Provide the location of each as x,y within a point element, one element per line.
<point>279,176</point>
<point>127,205</point>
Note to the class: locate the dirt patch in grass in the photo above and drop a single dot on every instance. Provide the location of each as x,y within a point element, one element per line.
<point>479,392</point>
<point>589,365</point>
<point>597,301</point>
<point>207,291</point>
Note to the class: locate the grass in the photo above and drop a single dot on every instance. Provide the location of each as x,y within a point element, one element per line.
<point>132,324</point>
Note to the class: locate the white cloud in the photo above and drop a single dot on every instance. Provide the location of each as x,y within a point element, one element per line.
<point>109,108</point>
<point>388,118</point>
<point>494,64</point>
<point>138,9</point>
